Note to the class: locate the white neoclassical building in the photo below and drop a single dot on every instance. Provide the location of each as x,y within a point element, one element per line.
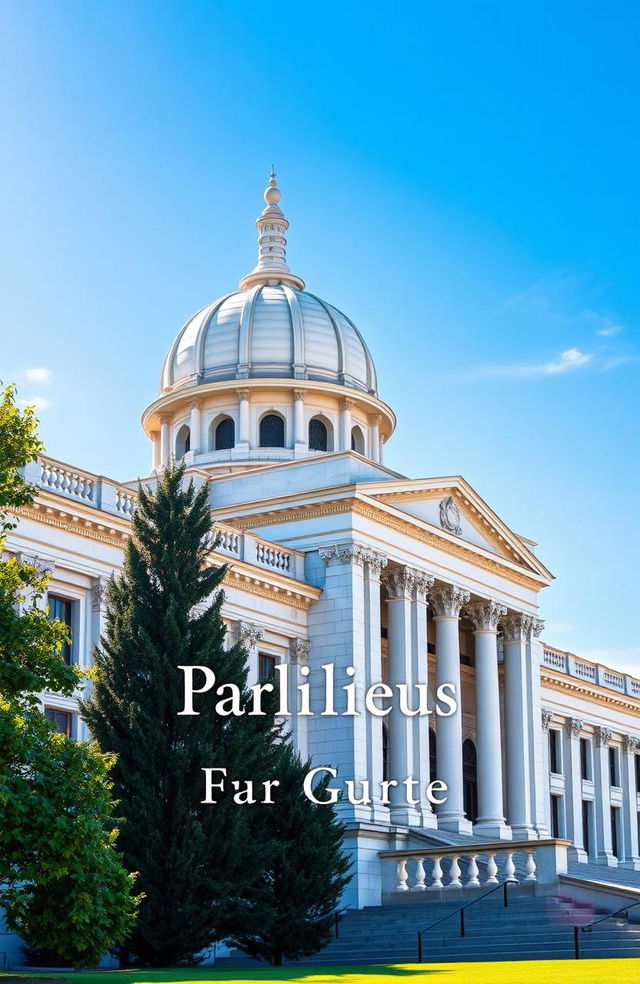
<point>270,395</point>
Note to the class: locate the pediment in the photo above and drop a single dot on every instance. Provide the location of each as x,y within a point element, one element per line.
<point>453,507</point>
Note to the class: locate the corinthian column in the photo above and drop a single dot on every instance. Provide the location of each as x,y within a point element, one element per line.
<point>300,439</point>
<point>517,633</point>
<point>602,802</point>
<point>373,565</point>
<point>573,787</point>
<point>490,822</point>
<point>447,601</point>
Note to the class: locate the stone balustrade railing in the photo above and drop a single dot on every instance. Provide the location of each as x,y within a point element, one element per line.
<point>119,500</point>
<point>472,867</point>
<point>584,669</point>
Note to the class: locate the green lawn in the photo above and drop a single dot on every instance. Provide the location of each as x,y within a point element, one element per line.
<point>517,972</point>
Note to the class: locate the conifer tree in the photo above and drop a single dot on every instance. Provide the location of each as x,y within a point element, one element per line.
<point>303,871</point>
<point>163,612</point>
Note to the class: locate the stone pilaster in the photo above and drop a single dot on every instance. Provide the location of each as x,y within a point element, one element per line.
<point>602,802</point>
<point>298,656</point>
<point>447,601</point>
<point>373,566</point>
<point>573,787</point>
<point>630,749</point>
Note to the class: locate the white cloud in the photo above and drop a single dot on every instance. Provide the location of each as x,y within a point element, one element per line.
<point>611,330</point>
<point>38,402</point>
<point>567,361</point>
<point>38,375</point>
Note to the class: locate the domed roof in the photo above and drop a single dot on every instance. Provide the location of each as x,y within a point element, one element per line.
<point>270,328</point>
<point>269,331</point>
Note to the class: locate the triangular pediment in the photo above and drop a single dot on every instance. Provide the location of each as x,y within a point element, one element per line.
<point>452,506</point>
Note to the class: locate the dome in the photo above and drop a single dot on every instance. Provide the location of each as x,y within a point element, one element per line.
<point>269,331</point>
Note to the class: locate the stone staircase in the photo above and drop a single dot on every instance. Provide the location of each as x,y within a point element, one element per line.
<point>531,927</point>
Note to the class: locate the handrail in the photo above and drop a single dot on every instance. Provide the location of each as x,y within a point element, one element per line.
<point>460,911</point>
<point>589,926</point>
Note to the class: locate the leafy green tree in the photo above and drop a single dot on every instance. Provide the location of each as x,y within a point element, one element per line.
<point>302,872</point>
<point>62,883</point>
<point>164,612</point>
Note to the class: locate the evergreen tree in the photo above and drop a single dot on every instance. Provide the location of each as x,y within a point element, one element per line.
<point>303,871</point>
<point>163,612</point>
<point>62,884</point>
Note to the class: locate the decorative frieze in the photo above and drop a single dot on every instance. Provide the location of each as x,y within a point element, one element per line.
<point>448,599</point>
<point>247,634</point>
<point>485,615</point>
<point>299,650</point>
<point>602,735</point>
<point>573,727</point>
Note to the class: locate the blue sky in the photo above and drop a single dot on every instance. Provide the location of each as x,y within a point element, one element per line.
<point>461,179</point>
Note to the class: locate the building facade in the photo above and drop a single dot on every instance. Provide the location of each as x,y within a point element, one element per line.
<point>269,395</point>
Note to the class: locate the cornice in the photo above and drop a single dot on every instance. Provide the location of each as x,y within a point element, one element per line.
<point>369,510</point>
<point>241,575</point>
<point>596,695</point>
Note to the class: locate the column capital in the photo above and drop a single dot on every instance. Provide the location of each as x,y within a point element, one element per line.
<point>602,735</point>
<point>243,394</point>
<point>517,626</point>
<point>247,634</point>
<point>43,567</point>
<point>404,582</point>
<point>163,418</point>
<point>298,396</point>
<point>99,587</point>
<point>630,743</point>
<point>299,650</point>
<point>537,626</point>
<point>194,404</point>
<point>354,553</point>
<point>485,614</point>
<point>347,404</point>
<point>573,727</point>
<point>547,716</point>
<point>375,419</point>
<point>448,599</point>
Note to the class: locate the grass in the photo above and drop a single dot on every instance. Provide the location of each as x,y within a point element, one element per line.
<point>622,971</point>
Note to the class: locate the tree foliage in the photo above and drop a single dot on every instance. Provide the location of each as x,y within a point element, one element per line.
<point>62,883</point>
<point>301,875</point>
<point>163,612</point>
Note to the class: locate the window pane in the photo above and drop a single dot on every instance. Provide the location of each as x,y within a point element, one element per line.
<point>225,435</point>
<point>272,431</point>
<point>61,719</point>
<point>61,609</point>
<point>267,668</point>
<point>317,436</point>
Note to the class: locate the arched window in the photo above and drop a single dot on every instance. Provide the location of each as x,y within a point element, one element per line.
<point>183,442</point>
<point>318,435</point>
<point>357,440</point>
<point>470,780</point>
<point>225,435</point>
<point>272,431</point>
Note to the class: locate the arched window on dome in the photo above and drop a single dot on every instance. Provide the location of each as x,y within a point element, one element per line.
<point>272,431</point>
<point>318,435</point>
<point>224,434</point>
<point>357,440</point>
<point>183,442</point>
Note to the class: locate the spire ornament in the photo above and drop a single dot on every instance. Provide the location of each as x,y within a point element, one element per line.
<point>272,226</point>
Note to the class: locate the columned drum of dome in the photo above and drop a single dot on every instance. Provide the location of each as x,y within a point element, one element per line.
<point>271,346</point>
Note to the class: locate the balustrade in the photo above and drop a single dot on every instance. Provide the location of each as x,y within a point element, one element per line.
<point>481,867</point>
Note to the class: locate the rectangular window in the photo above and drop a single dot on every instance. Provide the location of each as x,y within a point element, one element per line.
<point>615,839</point>
<point>614,778</point>
<point>555,816</point>
<point>585,758</point>
<point>586,827</point>
<point>266,667</point>
<point>62,609</point>
<point>63,720</point>
<point>554,751</point>
<point>637,758</point>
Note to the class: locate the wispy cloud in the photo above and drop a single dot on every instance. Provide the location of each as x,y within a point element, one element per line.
<point>567,361</point>
<point>608,332</point>
<point>40,375</point>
